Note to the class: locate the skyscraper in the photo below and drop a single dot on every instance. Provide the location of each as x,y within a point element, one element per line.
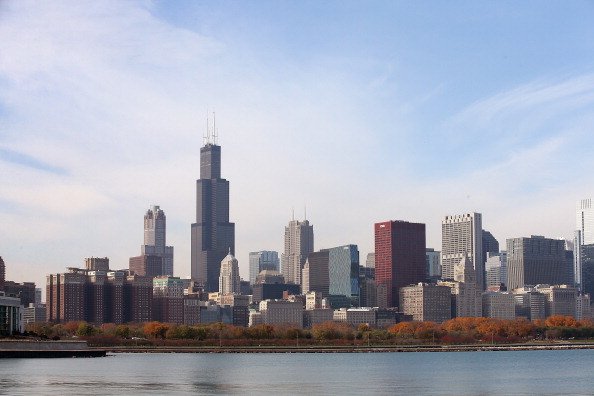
<point>299,242</point>
<point>461,236</point>
<point>399,256</point>
<point>584,235</point>
<point>584,220</point>
<point>213,236</point>
<point>343,271</point>
<point>535,260</point>
<point>155,227</point>
<point>262,260</point>
<point>229,278</point>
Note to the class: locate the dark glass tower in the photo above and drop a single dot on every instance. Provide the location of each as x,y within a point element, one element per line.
<point>213,236</point>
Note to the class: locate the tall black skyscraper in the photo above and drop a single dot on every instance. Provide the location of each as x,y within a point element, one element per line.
<point>213,236</point>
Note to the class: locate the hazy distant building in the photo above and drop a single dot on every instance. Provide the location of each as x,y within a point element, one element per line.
<point>370,260</point>
<point>399,256</point>
<point>299,242</point>
<point>155,243</point>
<point>461,236</point>
<point>213,236</point>
<point>426,302</point>
<point>262,260</point>
<point>535,260</point>
<point>229,281</point>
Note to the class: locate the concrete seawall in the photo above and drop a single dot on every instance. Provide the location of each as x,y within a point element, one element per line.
<point>47,349</point>
<point>350,349</point>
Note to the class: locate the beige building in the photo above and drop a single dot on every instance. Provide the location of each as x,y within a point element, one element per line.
<point>281,311</point>
<point>461,237</point>
<point>229,281</point>
<point>530,304</point>
<point>299,242</point>
<point>466,298</point>
<point>499,305</point>
<point>560,300</point>
<point>583,307</point>
<point>355,316</point>
<point>426,302</point>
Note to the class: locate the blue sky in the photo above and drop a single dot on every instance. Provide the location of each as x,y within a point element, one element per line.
<point>363,111</point>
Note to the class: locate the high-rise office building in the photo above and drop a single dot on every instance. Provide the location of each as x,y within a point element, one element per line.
<point>299,242</point>
<point>155,244</point>
<point>535,260</point>
<point>584,220</point>
<point>399,256</point>
<point>490,245</point>
<point>315,274</point>
<point>584,235</point>
<point>433,264</point>
<point>229,278</point>
<point>343,271</point>
<point>262,260</point>
<point>213,236</point>
<point>461,236</point>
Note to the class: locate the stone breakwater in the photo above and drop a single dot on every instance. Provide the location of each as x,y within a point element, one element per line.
<point>47,349</point>
<point>350,349</point>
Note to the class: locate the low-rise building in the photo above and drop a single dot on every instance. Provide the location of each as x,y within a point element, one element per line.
<point>426,302</point>
<point>499,305</point>
<point>281,311</point>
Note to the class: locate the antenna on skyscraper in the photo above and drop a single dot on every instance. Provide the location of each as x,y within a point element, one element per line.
<point>214,128</point>
<point>206,137</point>
<point>293,214</point>
<point>305,206</point>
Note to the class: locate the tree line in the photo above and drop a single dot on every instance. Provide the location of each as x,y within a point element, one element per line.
<point>454,331</point>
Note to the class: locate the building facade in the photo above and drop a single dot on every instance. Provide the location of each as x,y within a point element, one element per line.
<point>213,236</point>
<point>299,242</point>
<point>343,271</point>
<point>155,239</point>
<point>461,236</point>
<point>426,302</point>
<point>316,273</point>
<point>399,256</point>
<point>535,260</point>
<point>262,260</point>
<point>229,281</point>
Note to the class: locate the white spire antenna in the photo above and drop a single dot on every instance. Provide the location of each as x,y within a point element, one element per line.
<point>305,206</point>
<point>206,137</point>
<point>215,134</point>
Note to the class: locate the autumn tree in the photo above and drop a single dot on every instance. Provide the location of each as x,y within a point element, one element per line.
<point>155,330</point>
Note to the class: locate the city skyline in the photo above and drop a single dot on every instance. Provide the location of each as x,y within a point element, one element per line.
<point>451,108</point>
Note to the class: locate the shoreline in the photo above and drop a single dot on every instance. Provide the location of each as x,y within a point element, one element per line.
<point>347,349</point>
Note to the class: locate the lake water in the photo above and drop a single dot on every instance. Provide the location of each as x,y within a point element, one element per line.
<point>421,373</point>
